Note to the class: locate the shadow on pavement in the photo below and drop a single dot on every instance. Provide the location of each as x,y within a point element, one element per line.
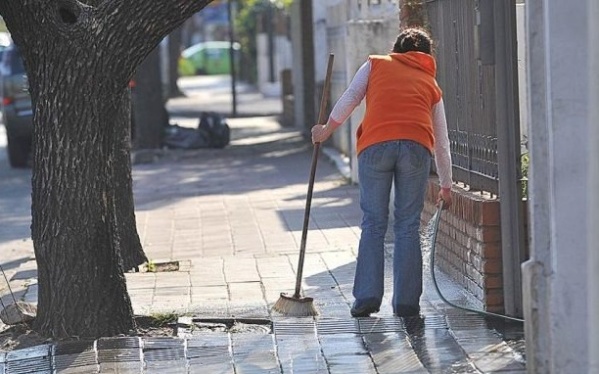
<point>15,264</point>
<point>235,170</point>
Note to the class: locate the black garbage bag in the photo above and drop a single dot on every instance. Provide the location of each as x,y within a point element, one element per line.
<point>216,127</point>
<point>185,138</point>
<point>212,132</point>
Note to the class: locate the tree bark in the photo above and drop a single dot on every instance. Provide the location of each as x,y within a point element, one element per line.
<point>131,249</point>
<point>79,58</point>
<point>151,116</point>
<point>74,223</point>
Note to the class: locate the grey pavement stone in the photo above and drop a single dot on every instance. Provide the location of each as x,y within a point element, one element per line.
<point>300,354</point>
<point>34,359</point>
<point>254,353</point>
<point>346,353</point>
<point>392,353</point>
<point>89,369</point>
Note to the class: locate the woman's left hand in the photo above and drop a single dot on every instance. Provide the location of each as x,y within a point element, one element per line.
<point>445,196</point>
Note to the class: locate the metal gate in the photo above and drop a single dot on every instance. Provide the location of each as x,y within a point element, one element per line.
<point>477,69</point>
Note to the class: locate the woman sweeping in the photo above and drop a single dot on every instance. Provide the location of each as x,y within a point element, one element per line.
<point>404,125</point>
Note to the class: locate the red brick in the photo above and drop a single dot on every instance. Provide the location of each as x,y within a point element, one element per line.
<point>491,250</point>
<point>493,282</point>
<point>468,246</point>
<point>484,233</point>
<point>494,298</point>
<point>492,266</point>
<point>489,213</point>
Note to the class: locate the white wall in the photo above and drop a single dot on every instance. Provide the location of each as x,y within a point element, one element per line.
<point>364,30</point>
<point>282,59</point>
<point>321,50</point>
<point>522,77</point>
<point>556,288</point>
<point>339,43</point>
<point>593,187</point>
<point>369,37</point>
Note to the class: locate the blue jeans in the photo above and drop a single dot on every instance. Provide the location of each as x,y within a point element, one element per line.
<point>407,164</point>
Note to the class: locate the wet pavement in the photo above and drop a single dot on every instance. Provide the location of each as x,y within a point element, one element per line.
<point>232,220</point>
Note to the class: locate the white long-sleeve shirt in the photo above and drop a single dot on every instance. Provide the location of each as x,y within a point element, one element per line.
<point>355,93</point>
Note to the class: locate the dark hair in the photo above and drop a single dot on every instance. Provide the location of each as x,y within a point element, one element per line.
<point>413,39</point>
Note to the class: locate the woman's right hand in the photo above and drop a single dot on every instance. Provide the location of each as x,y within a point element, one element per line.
<point>320,133</point>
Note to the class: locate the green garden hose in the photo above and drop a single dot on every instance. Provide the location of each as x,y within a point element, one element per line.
<point>436,218</point>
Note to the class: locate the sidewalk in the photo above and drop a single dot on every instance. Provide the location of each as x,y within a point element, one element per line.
<point>232,220</point>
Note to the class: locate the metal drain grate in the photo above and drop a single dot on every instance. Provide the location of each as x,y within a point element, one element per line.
<point>74,347</point>
<point>164,349</point>
<point>119,355</point>
<point>360,326</point>
<point>434,322</point>
<point>118,350</point>
<point>337,326</point>
<point>65,361</point>
<point>29,360</point>
<point>380,325</point>
<point>294,326</point>
<point>118,343</point>
<point>467,321</point>
<point>31,365</point>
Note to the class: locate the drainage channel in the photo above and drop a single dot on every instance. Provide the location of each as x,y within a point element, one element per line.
<point>258,345</point>
<point>371,345</point>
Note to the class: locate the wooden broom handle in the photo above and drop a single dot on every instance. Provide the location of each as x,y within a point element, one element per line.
<point>321,121</point>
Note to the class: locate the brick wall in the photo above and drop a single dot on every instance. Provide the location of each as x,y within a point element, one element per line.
<point>468,246</point>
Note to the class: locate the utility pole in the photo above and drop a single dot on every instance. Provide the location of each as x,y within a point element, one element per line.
<point>271,44</point>
<point>232,59</point>
<point>307,45</point>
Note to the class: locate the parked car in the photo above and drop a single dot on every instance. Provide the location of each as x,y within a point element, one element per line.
<point>17,112</point>
<point>5,42</point>
<point>207,58</point>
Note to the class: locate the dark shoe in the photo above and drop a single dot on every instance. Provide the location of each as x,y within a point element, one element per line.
<point>362,312</point>
<point>406,311</point>
<point>367,307</point>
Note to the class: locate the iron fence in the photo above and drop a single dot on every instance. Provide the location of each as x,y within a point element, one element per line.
<point>466,73</point>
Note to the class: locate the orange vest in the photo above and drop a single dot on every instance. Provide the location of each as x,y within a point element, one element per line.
<point>401,92</point>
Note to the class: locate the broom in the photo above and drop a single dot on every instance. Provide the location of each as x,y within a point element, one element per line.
<point>296,305</point>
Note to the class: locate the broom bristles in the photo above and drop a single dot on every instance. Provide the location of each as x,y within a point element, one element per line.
<point>295,307</point>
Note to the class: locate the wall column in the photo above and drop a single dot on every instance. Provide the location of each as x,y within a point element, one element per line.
<point>593,188</point>
<point>555,279</point>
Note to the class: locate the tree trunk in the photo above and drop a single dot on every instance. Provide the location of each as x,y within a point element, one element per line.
<point>174,52</point>
<point>74,223</point>
<point>412,13</point>
<point>131,249</point>
<point>151,116</point>
<point>79,57</point>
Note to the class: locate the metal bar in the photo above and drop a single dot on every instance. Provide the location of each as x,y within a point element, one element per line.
<point>479,181</point>
<point>308,68</point>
